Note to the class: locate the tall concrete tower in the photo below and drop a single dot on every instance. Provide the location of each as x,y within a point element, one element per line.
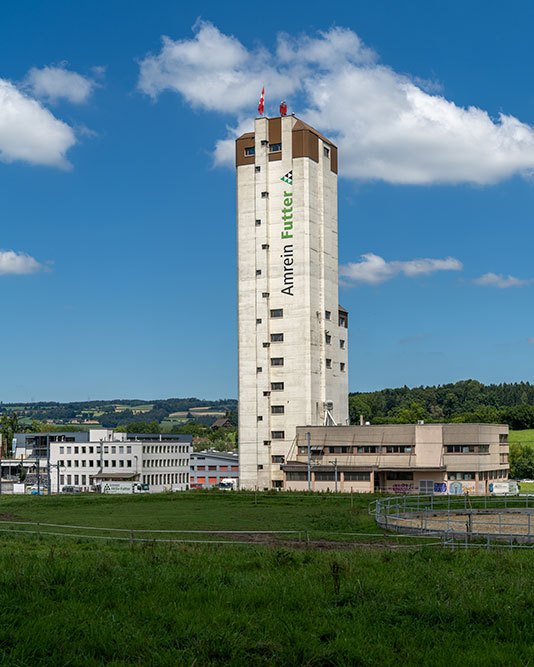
<point>292,335</point>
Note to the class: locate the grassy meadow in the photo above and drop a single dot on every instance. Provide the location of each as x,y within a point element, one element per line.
<point>73,601</point>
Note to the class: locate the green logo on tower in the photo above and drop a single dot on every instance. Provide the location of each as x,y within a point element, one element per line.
<point>288,178</point>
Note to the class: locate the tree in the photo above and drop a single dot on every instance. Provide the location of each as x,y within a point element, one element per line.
<point>521,461</point>
<point>9,425</point>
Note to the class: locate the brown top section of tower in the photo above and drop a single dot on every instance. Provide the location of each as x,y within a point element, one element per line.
<point>305,139</point>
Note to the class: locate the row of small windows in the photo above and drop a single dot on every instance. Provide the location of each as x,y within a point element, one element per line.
<point>124,449</point>
<point>362,449</point>
<point>350,476</point>
<point>466,449</point>
<point>250,151</point>
<point>120,463</point>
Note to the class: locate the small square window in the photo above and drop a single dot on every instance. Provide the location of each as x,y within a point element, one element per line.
<point>258,321</point>
<point>258,169</point>
<point>327,314</point>
<point>328,339</point>
<point>259,369</point>
<point>249,151</point>
<point>277,312</point>
<point>342,344</point>
<point>266,393</point>
<point>326,152</point>
<point>266,344</point>
<point>264,142</point>
<point>264,195</point>
<point>329,363</point>
<point>258,272</point>
<point>265,294</point>
<point>341,366</point>
<point>260,467</point>
<point>266,442</point>
<point>260,418</point>
<point>264,246</point>
<point>258,223</point>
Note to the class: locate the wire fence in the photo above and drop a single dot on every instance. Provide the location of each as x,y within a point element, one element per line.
<point>488,521</point>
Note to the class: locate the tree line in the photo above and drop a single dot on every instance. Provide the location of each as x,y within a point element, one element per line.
<point>464,401</point>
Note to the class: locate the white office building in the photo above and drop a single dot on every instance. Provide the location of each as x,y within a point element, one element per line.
<point>292,334</point>
<point>86,460</point>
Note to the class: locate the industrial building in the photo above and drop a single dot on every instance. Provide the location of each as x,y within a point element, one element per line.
<point>87,459</point>
<point>398,458</point>
<point>209,468</point>
<point>292,333</point>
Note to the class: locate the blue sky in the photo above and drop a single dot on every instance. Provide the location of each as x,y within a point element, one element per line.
<point>117,262</point>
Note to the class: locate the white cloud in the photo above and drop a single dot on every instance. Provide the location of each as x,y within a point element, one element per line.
<point>373,269</point>
<point>17,263</point>
<point>388,126</point>
<point>30,132</point>
<point>54,83</point>
<point>499,280</point>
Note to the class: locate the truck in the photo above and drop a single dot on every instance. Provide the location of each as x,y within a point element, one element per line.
<point>509,488</point>
<point>124,487</point>
<point>228,483</point>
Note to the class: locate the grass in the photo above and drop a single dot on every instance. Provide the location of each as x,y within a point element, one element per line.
<point>525,437</point>
<point>80,603</point>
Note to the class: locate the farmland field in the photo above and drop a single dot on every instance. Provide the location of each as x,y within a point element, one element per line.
<point>72,601</point>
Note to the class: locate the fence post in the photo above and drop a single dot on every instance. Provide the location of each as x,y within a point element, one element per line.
<point>131,537</point>
<point>500,523</point>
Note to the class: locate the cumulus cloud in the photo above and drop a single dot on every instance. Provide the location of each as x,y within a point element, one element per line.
<point>499,280</point>
<point>54,83</point>
<point>389,126</point>
<point>373,269</point>
<point>17,263</point>
<point>30,132</point>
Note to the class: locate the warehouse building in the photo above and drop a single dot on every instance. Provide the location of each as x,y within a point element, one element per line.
<point>210,467</point>
<point>398,458</point>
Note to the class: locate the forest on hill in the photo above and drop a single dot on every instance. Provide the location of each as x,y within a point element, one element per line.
<point>464,401</point>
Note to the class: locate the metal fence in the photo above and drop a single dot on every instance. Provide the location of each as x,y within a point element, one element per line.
<point>471,520</point>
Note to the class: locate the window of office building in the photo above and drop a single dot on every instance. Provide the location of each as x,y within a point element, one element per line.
<point>277,312</point>
<point>277,409</point>
<point>277,361</point>
<point>357,476</point>
<point>277,435</point>
<point>277,338</point>
<point>277,386</point>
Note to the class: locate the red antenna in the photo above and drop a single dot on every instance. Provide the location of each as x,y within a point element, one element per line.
<point>262,101</point>
<point>283,108</point>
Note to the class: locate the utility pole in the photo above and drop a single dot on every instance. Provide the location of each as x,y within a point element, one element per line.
<point>309,462</point>
<point>49,483</point>
<point>334,462</point>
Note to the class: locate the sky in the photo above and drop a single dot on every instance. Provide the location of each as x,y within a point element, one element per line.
<point>117,187</point>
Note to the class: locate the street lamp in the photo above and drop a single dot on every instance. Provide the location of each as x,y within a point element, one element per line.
<point>334,462</point>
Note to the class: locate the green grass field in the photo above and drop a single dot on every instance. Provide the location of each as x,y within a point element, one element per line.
<point>525,437</point>
<point>71,601</point>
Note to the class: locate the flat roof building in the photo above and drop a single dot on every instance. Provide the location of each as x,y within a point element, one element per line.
<point>209,468</point>
<point>399,458</point>
<point>292,333</point>
<point>86,459</point>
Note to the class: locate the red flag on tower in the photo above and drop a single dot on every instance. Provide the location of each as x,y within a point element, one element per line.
<point>262,100</point>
